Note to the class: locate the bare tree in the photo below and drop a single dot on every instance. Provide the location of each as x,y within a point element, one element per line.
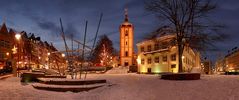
<point>189,21</point>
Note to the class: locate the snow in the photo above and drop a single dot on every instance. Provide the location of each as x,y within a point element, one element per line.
<point>68,86</point>
<point>68,79</point>
<point>118,70</point>
<point>5,76</point>
<point>132,87</point>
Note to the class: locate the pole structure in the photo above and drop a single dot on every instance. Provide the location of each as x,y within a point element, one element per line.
<point>66,47</point>
<point>96,34</point>
<point>63,37</point>
<point>83,51</point>
<point>97,31</point>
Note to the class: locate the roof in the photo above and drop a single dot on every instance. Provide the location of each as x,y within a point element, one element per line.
<point>156,51</point>
<point>161,38</point>
<point>4,28</point>
<point>126,24</point>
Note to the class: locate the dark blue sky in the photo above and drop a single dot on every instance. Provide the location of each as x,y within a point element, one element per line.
<point>42,18</point>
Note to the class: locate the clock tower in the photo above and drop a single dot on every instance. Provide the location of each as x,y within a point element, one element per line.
<point>126,42</point>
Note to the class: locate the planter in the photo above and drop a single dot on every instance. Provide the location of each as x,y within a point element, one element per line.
<point>32,76</point>
<point>63,81</point>
<point>181,76</point>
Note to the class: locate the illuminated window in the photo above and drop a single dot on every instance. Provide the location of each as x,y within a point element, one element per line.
<point>165,59</point>
<point>126,53</point>
<point>142,49</point>
<point>142,61</point>
<point>156,46</point>
<point>173,57</point>
<point>156,59</point>
<point>149,60</point>
<point>173,66</point>
<point>149,47</point>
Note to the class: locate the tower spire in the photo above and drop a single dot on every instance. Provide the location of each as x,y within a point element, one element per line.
<point>4,19</point>
<point>126,15</point>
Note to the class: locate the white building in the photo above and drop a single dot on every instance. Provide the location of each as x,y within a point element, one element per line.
<point>160,55</point>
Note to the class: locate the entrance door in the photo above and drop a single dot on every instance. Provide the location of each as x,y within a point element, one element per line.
<point>149,70</point>
<point>126,64</point>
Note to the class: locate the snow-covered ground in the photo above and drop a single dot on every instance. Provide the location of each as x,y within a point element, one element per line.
<point>132,87</point>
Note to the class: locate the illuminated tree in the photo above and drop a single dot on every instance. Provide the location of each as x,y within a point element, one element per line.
<point>103,51</point>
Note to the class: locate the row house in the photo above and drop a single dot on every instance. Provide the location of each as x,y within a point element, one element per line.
<point>228,63</point>
<point>6,45</point>
<point>27,52</point>
<point>44,55</point>
<point>231,60</point>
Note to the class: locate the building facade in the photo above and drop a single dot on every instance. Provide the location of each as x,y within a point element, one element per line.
<point>207,67</point>
<point>220,65</point>
<point>27,52</point>
<point>126,42</point>
<point>232,60</point>
<point>6,45</point>
<point>160,55</point>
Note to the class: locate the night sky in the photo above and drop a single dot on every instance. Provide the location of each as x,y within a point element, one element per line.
<point>42,18</point>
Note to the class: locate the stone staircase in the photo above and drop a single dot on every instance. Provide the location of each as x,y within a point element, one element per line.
<point>118,70</point>
<point>64,85</point>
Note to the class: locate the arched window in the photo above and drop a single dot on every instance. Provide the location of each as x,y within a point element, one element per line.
<point>126,53</point>
<point>126,33</point>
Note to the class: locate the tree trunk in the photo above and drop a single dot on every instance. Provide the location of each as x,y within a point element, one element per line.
<point>180,53</point>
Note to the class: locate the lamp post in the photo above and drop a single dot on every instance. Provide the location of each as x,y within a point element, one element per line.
<point>18,37</point>
<point>64,63</point>
<point>48,59</point>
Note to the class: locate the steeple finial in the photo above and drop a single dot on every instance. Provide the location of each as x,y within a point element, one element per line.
<point>126,15</point>
<point>4,19</point>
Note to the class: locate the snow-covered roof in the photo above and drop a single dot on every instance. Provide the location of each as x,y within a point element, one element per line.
<point>162,38</point>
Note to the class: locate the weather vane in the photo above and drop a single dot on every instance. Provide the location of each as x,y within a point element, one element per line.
<point>126,14</point>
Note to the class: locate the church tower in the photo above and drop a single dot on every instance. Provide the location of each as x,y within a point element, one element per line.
<point>126,42</point>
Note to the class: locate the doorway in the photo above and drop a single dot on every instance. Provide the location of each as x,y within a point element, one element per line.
<point>126,64</point>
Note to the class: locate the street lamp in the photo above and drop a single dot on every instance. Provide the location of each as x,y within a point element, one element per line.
<point>48,59</point>
<point>63,55</point>
<point>18,37</point>
<point>7,53</point>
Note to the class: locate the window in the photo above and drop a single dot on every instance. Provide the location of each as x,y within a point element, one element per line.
<point>142,49</point>
<point>126,33</point>
<point>173,57</point>
<point>173,66</point>
<point>164,45</point>
<point>149,60</point>
<point>1,55</point>
<point>186,60</point>
<point>142,61</point>
<point>156,59</point>
<point>149,47</point>
<point>126,43</point>
<point>126,53</point>
<point>165,59</point>
<point>156,46</point>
